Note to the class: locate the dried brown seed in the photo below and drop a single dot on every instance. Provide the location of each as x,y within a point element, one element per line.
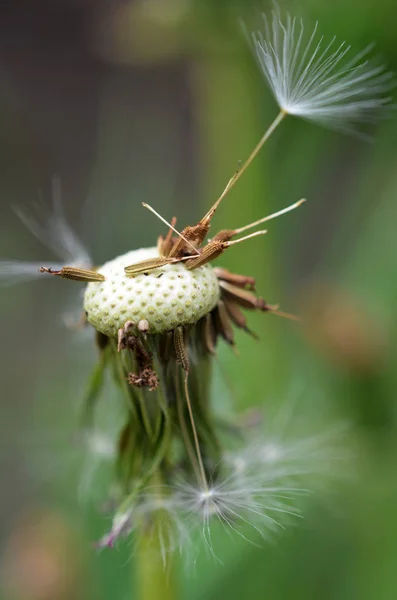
<point>224,235</point>
<point>148,265</point>
<point>75,274</point>
<point>194,235</point>
<point>211,251</point>
<point>215,247</point>
<point>209,335</point>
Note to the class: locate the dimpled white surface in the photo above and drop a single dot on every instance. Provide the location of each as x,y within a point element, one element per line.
<point>166,297</point>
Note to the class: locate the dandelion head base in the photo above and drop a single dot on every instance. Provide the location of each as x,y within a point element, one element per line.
<point>165,297</point>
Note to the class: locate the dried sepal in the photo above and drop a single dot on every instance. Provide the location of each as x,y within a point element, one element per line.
<point>243,297</point>
<point>127,340</point>
<point>160,243</point>
<point>243,281</point>
<point>238,318</point>
<point>209,335</point>
<point>223,323</point>
<point>145,378</point>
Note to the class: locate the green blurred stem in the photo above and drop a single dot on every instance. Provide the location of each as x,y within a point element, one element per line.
<point>155,579</point>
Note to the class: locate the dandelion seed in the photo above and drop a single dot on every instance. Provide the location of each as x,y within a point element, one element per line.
<point>315,81</point>
<point>318,80</point>
<point>18,271</point>
<point>52,231</point>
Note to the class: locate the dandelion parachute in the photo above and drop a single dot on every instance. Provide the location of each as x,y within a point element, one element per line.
<point>318,80</point>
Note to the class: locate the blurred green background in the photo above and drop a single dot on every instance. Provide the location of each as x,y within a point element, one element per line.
<point>157,101</point>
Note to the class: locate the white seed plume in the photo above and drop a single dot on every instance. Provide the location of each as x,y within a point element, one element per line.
<point>319,80</point>
<point>52,231</point>
<point>20,271</point>
<point>277,458</point>
<point>241,504</point>
<point>256,491</point>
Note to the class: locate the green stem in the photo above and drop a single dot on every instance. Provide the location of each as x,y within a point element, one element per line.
<point>154,579</point>
<point>155,571</point>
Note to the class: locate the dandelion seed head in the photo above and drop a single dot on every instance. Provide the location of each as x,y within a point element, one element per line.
<point>164,298</point>
<point>318,80</point>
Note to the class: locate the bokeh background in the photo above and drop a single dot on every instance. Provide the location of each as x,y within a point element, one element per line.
<point>157,100</point>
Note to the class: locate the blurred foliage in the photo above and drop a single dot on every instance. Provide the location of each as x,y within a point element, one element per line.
<point>157,101</point>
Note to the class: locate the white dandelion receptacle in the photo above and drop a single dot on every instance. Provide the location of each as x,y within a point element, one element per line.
<point>165,297</point>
